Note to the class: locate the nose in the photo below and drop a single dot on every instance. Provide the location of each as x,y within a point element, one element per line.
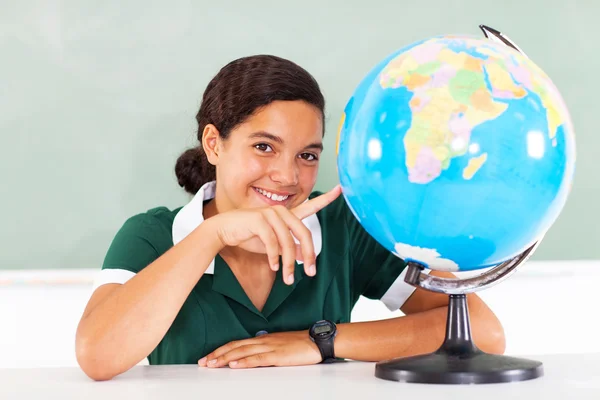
<point>285,171</point>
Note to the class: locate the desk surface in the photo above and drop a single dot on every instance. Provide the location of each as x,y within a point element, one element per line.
<point>566,377</point>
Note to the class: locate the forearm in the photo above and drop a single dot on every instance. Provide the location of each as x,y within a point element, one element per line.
<point>410,335</point>
<point>129,323</point>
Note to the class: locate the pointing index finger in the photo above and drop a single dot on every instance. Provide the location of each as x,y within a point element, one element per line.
<point>312,206</point>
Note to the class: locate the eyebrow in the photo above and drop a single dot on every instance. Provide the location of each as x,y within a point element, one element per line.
<point>277,139</point>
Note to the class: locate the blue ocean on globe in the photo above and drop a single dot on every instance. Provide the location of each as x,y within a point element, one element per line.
<point>456,152</point>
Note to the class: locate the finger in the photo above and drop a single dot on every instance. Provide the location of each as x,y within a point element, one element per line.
<point>239,353</point>
<point>312,206</point>
<point>287,246</point>
<point>227,348</point>
<point>299,255</point>
<point>267,235</point>
<point>258,360</point>
<point>304,236</point>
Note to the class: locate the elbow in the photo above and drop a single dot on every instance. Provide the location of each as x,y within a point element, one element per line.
<point>490,336</point>
<point>495,341</point>
<point>487,330</point>
<point>92,362</point>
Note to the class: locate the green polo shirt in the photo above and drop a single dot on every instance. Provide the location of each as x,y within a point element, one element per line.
<point>350,263</point>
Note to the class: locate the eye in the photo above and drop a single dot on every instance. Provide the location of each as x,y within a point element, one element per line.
<point>309,156</point>
<point>263,147</point>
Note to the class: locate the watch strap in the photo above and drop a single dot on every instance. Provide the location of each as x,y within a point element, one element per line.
<point>327,349</point>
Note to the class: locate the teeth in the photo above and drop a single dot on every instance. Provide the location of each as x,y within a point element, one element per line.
<point>271,195</point>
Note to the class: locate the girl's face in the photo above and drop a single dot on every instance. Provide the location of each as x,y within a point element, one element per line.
<point>270,159</point>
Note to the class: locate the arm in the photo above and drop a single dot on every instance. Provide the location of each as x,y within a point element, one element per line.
<point>122,324</point>
<point>136,315</point>
<point>421,330</point>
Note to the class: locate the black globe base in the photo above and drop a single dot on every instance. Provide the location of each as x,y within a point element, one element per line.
<point>445,368</point>
<point>458,360</point>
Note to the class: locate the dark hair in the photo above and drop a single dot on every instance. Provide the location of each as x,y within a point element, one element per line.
<point>238,90</point>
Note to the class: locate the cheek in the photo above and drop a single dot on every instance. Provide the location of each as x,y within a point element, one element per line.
<point>245,169</point>
<point>308,177</point>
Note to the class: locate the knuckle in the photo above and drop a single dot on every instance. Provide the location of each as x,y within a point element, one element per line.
<point>279,208</point>
<point>306,232</point>
<point>260,213</point>
<point>259,222</point>
<point>231,345</point>
<point>272,238</point>
<point>270,211</point>
<point>264,217</point>
<point>289,241</point>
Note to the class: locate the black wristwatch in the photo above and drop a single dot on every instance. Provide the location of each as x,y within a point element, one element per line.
<point>323,333</point>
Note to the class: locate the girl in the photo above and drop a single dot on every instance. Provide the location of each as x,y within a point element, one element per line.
<point>257,270</point>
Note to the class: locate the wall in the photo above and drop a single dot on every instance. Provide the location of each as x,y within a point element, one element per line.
<point>98,100</point>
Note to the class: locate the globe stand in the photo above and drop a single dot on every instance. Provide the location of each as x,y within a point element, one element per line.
<point>458,360</point>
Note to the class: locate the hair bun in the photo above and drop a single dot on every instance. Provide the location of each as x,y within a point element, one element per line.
<point>191,170</point>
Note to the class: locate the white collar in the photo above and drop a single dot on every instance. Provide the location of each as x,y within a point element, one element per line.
<point>191,216</point>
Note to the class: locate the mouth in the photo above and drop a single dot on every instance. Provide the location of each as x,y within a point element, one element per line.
<point>273,198</point>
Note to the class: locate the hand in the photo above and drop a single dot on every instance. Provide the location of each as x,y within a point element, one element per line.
<point>268,230</point>
<point>275,349</point>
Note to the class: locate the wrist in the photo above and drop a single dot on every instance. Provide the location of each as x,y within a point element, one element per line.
<point>312,344</point>
<point>340,345</point>
<point>208,231</point>
<point>323,334</point>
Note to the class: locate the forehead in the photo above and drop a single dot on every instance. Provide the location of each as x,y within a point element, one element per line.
<point>294,121</point>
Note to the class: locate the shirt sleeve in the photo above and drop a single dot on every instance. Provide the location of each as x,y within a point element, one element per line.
<point>131,251</point>
<point>378,274</point>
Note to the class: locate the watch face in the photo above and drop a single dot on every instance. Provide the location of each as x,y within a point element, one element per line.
<point>322,329</point>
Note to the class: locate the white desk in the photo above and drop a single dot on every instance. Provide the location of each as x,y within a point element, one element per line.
<point>571,377</point>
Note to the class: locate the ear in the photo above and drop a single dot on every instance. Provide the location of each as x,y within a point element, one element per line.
<point>211,143</point>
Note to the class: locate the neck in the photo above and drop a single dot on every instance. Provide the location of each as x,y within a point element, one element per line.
<point>210,209</point>
<point>217,205</point>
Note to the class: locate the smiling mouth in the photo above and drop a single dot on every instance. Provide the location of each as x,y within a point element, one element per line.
<point>272,196</point>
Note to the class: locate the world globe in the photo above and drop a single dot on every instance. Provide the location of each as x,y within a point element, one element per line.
<point>456,153</point>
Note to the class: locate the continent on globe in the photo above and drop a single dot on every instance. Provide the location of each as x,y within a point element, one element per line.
<point>452,93</point>
<point>538,82</point>
<point>424,256</point>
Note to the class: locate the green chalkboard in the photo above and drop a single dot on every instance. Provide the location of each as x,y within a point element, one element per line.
<point>97,100</point>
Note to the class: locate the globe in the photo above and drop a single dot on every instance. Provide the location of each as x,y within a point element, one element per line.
<point>456,152</point>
